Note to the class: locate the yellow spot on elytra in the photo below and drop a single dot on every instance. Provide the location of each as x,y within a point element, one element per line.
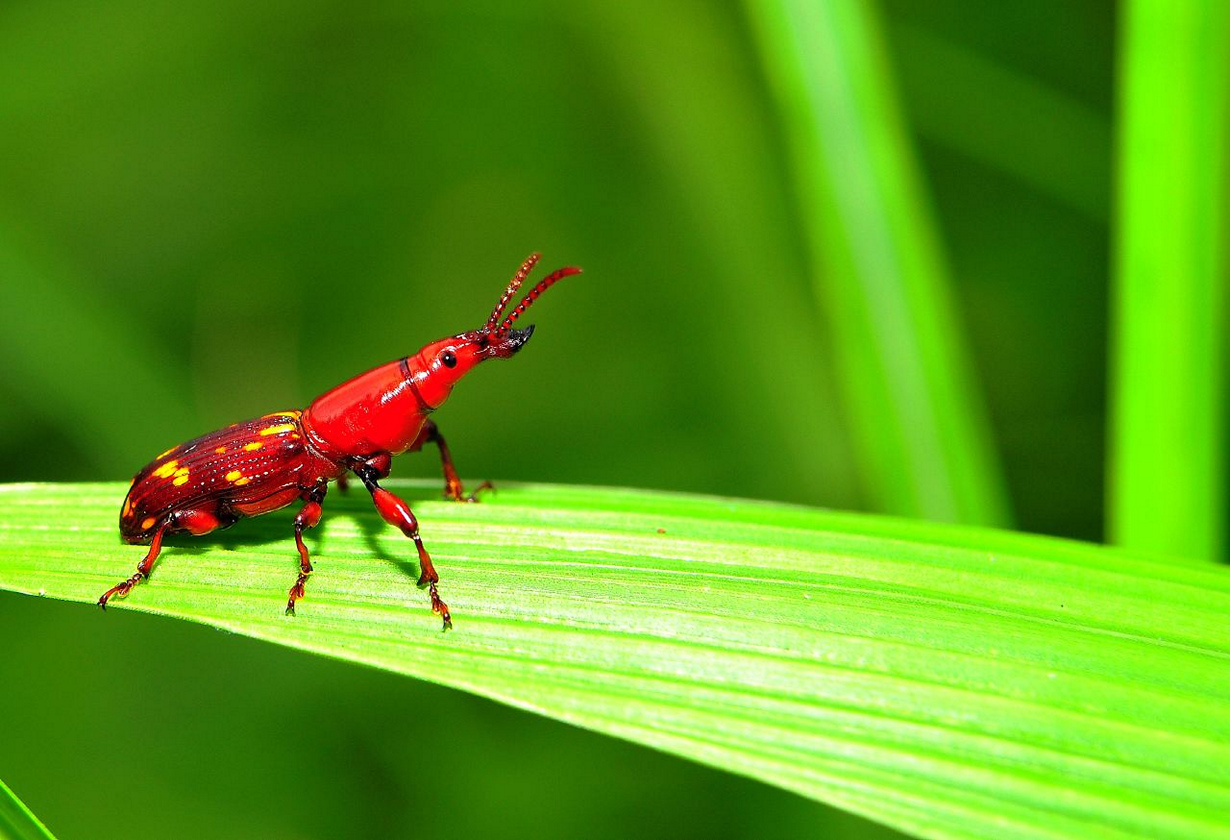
<point>221,450</point>
<point>127,507</point>
<point>277,430</point>
<point>181,477</point>
<point>234,475</point>
<point>252,447</point>
<point>148,523</point>
<point>168,452</point>
<point>241,482</point>
<point>166,469</point>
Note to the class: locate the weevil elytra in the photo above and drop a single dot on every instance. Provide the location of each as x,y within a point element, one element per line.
<point>261,465</point>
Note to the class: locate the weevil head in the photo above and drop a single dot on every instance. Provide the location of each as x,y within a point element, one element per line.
<point>444,362</point>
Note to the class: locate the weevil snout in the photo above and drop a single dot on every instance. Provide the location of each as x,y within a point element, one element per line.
<point>504,347</point>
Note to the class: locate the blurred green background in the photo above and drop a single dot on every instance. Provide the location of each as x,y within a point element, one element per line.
<point>208,212</point>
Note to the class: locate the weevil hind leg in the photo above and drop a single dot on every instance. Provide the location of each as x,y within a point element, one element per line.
<point>308,517</point>
<point>195,522</point>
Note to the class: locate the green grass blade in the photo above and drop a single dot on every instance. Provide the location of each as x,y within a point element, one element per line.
<point>17,822</point>
<point>1167,481</point>
<point>916,414</point>
<point>949,681</point>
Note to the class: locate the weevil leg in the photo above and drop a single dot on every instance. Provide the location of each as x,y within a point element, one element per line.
<point>195,522</point>
<point>396,512</point>
<point>452,483</point>
<point>308,517</point>
<point>143,569</point>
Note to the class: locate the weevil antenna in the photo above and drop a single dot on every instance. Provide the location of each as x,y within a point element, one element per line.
<point>518,279</point>
<point>543,284</point>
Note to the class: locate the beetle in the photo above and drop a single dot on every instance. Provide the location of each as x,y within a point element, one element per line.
<point>261,465</point>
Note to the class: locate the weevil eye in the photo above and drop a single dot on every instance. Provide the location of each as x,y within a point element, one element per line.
<point>448,359</point>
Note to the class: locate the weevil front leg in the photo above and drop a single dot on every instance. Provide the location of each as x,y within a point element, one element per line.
<point>452,483</point>
<point>308,517</point>
<point>396,512</point>
<point>195,522</point>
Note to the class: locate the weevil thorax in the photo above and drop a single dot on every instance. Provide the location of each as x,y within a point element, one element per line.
<point>385,408</point>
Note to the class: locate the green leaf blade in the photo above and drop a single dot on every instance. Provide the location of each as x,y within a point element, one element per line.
<point>954,682</point>
<point>1168,473</point>
<point>878,268</point>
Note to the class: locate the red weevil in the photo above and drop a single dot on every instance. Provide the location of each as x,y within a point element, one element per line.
<point>261,465</point>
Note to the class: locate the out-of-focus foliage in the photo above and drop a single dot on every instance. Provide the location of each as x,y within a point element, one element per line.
<point>16,821</point>
<point>208,211</point>
<point>918,420</point>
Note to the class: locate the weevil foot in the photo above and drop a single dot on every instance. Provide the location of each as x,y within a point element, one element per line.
<point>120,590</point>
<point>439,607</point>
<point>296,592</point>
<point>453,491</point>
<point>473,497</point>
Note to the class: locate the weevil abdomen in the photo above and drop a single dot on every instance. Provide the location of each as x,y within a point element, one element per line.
<point>246,469</point>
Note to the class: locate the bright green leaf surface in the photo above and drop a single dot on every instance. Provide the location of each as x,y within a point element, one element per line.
<point>954,682</point>
<point>1167,472</point>
<point>16,821</point>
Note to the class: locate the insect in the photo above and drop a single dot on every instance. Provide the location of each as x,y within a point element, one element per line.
<point>261,465</point>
